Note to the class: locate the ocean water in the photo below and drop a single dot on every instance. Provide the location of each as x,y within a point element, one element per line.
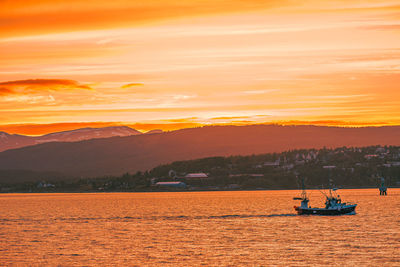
<point>237,228</point>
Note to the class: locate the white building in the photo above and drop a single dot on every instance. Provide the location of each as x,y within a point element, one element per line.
<point>329,167</point>
<point>255,175</point>
<point>272,163</point>
<point>198,175</point>
<point>370,156</point>
<point>171,184</point>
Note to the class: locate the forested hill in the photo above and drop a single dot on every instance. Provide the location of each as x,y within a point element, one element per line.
<point>118,155</point>
<point>345,167</point>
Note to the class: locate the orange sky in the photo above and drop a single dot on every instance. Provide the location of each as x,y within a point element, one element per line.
<point>174,64</point>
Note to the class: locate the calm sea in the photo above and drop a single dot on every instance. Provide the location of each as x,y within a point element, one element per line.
<point>244,228</point>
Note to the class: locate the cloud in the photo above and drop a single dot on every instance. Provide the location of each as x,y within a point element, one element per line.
<point>229,118</point>
<point>28,17</point>
<point>382,27</point>
<point>39,85</point>
<point>31,99</point>
<point>183,97</point>
<point>182,120</point>
<point>129,85</point>
<point>5,91</point>
<point>259,92</point>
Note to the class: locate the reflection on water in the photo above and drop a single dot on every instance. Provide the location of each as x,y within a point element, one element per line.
<point>196,228</point>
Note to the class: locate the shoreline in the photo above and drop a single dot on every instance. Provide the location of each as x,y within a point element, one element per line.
<point>183,191</point>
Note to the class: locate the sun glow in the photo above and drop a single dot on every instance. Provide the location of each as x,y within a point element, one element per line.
<point>168,65</point>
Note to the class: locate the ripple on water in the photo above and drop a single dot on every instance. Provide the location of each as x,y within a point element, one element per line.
<point>206,228</point>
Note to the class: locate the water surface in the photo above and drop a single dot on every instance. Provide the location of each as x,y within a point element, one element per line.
<point>197,228</point>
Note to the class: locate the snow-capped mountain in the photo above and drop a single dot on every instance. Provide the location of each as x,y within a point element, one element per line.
<point>87,133</point>
<point>9,141</point>
<point>155,131</point>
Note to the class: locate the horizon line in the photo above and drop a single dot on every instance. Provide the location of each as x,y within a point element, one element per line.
<point>39,129</point>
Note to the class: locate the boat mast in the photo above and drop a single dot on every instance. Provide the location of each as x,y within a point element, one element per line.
<point>303,189</point>
<point>383,188</point>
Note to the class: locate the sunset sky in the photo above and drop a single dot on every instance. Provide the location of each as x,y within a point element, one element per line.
<point>173,64</point>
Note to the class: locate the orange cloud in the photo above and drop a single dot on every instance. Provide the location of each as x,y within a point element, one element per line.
<point>35,85</point>
<point>340,60</point>
<point>5,91</point>
<point>27,17</point>
<point>395,27</point>
<point>230,118</point>
<point>129,85</point>
<point>43,16</point>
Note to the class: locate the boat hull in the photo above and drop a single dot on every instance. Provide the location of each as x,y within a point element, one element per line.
<point>320,211</point>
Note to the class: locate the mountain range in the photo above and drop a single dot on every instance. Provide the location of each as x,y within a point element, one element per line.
<point>10,141</point>
<point>118,155</point>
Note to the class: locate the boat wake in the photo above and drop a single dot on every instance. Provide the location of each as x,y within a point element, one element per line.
<point>214,217</point>
<point>250,216</point>
<point>183,217</point>
<point>149,218</point>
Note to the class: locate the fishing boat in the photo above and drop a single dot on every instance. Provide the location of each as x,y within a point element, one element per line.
<point>333,205</point>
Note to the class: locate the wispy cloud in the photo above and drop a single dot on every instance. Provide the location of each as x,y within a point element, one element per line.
<point>259,92</point>
<point>30,99</point>
<point>39,85</point>
<point>102,13</point>
<point>183,97</point>
<point>129,85</point>
<point>6,91</point>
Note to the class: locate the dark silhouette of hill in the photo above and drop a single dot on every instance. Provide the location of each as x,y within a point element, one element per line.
<point>20,176</point>
<point>117,155</point>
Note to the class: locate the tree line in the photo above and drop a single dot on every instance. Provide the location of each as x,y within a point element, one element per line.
<point>344,167</point>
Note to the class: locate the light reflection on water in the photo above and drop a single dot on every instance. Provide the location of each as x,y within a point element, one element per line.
<point>197,228</point>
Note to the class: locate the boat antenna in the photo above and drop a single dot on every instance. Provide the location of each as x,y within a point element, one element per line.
<point>322,192</point>
<point>303,189</point>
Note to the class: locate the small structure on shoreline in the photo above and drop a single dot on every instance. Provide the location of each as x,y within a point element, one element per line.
<point>171,184</point>
<point>383,188</point>
<point>198,175</point>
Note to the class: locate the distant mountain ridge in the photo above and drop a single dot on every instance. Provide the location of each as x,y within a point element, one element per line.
<point>155,131</point>
<point>10,141</point>
<point>118,155</point>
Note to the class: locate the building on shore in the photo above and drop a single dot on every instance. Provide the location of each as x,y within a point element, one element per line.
<point>198,175</point>
<point>171,184</point>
